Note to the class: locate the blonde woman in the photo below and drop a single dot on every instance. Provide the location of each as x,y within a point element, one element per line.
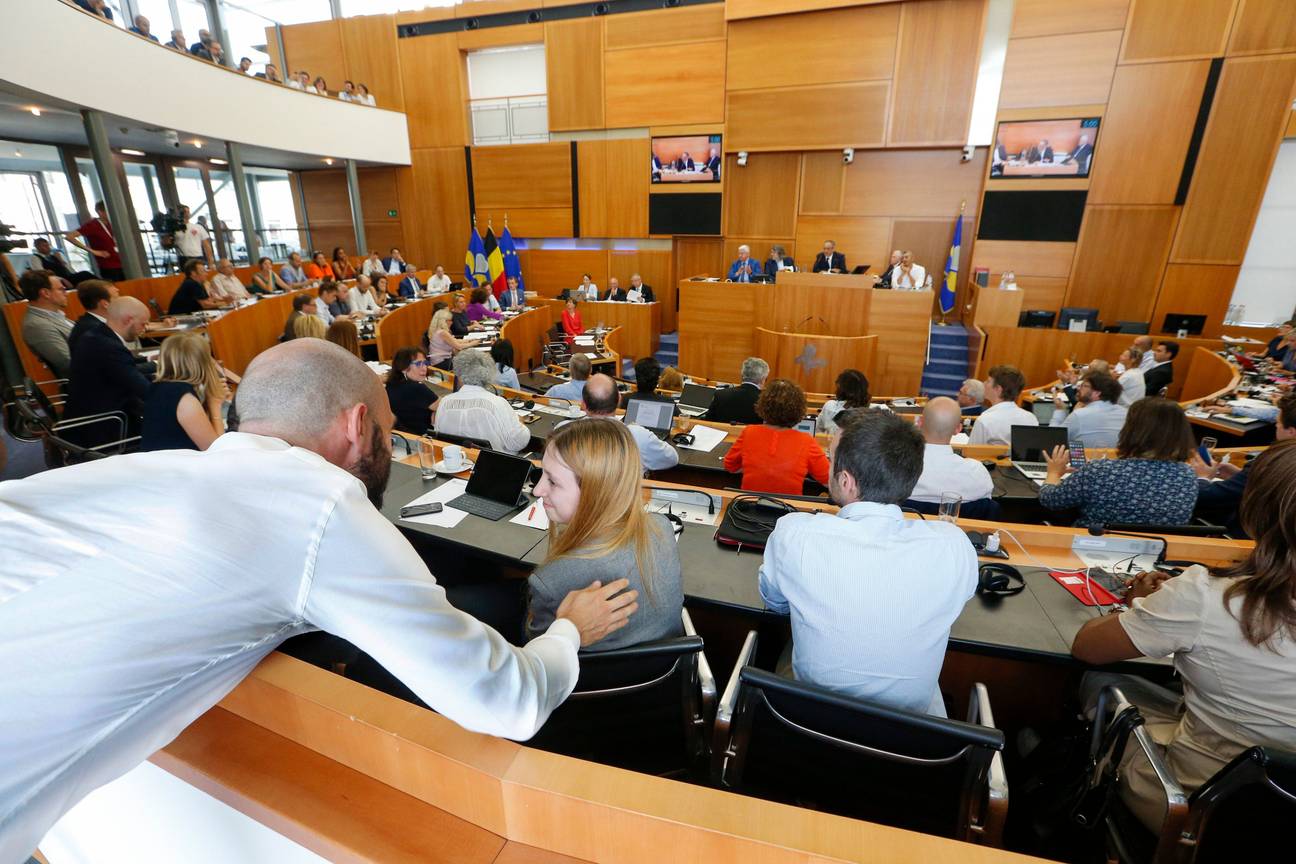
<point>183,408</point>
<point>310,325</point>
<point>442,345</point>
<point>364,299</point>
<point>599,531</point>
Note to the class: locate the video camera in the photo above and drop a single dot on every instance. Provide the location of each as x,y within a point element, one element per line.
<point>168,222</point>
<point>6,243</point>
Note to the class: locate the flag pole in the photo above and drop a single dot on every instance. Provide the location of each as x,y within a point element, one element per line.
<point>962,210</point>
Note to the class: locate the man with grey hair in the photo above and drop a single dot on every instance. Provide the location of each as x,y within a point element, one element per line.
<point>944,470</point>
<point>971,397</point>
<point>474,412</point>
<point>738,404</point>
<point>115,642</point>
<point>745,269</point>
<point>579,366</point>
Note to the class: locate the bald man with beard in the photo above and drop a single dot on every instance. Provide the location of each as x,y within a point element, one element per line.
<point>136,591</point>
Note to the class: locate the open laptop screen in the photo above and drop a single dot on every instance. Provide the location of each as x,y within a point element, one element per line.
<point>697,397</point>
<point>498,476</point>
<point>650,414</point>
<point>1032,443</point>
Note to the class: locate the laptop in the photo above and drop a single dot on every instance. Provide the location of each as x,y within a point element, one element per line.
<point>1030,443</point>
<point>657,417</point>
<point>807,425</point>
<point>861,269</point>
<point>695,400</point>
<point>495,486</point>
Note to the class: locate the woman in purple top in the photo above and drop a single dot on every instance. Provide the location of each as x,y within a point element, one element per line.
<point>477,308</point>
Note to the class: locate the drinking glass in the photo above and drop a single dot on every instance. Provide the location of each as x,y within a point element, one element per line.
<point>950,502</point>
<point>427,453</point>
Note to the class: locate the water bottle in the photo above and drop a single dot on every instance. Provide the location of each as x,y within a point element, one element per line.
<point>1241,313</point>
<point>1231,315</point>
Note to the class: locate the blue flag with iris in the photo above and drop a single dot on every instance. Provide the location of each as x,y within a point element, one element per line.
<point>476,270</point>
<point>951,268</point>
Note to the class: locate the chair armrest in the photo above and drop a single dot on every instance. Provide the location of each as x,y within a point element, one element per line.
<point>112,416</point>
<point>120,443</point>
<point>721,748</point>
<point>989,823</point>
<point>706,679</point>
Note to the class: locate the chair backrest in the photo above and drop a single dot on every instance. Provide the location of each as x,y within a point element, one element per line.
<point>1239,813</point>
<point>638,708</point>
<point>982,508</point>
<point>795,741</point>
<point>33,366</point>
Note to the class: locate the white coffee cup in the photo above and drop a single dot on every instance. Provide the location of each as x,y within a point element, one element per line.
<point>453,456</point>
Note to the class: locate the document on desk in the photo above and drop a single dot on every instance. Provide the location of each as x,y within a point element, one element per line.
<point>585,340</point>
<point>479,335</point>
<point>447,518</point>
<point>705,438</point>
<point>533,516</point>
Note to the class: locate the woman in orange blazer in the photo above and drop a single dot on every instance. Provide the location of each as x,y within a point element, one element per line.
<point>775,457</point>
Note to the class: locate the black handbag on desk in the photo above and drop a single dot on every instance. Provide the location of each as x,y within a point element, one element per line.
<point>749,521</point>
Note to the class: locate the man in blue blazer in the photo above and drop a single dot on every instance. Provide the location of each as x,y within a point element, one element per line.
<point>745,269</point>
<point>394,264</point>
<point>104,376</point>
<point>410,286</point>
<point>512,297</point>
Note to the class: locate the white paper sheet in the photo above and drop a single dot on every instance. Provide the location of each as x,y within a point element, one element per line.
<point>705,438</point>
<point>447,518</point>
<point>533,516</point>
<point>479,335</point>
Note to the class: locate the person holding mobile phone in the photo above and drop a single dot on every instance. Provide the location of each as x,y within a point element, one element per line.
<point>1098,417</point>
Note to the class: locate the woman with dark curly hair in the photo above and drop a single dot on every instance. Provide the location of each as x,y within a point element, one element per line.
<point>774,456</point>
<point>852,392</point>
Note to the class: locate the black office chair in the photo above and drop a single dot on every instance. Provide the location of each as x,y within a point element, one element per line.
<point>789,741</point>
<point>1237,814</point>
<point>59,451</point>
<point>644,708</point>
<point>1136,327</point>
<point>554,349</point>
<point>982,508</point>
<point>461,440</point>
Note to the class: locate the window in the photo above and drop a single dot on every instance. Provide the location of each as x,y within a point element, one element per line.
<point>158,13</point>
<point>193,17</point>
<point>274,209</point>
<point>387,7</point>
<point>507,91</point>
<point>145,191</point>
<point>285,11</point>
<point>35,197</point>
<point>229,230</point>
<point>1266,287</point>
<point>248,34</point>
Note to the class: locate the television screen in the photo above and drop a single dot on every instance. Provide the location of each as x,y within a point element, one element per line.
<point>687,159</point>
<point>1044,148</point>
<point>684,213</point>
<point>1044,215</point>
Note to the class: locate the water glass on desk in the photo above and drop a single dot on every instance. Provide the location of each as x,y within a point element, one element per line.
<point>948,511</point>
<point>427,453</point>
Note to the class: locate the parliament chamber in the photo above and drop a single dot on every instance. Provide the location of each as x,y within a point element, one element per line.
<point>945,356</point>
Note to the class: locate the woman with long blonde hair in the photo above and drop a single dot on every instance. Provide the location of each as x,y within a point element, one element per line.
<point>310,325</point>
<point>183,408</point>
<point>599,531</point>
<point>442,345</point>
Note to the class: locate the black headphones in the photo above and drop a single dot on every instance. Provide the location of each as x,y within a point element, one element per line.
<point>999,580</point>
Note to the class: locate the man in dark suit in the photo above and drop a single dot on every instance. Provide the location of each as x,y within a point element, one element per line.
<point>95,296</point>
<point>410,286</point>
<point>830,260</point>
<point>1161,373</point>
<point>685,163</point>
<point>738,404</point>
<point>713,164</point>
<point>884,281</point>
<point>615,292</point>
<point>104,375</point>
<point>303,304</point>
<point>647,374</point>
<point>192,296</point>
<point>512,297</point>
<point>646,294</point>
<point>1081,156</point>
<point>778,260</point>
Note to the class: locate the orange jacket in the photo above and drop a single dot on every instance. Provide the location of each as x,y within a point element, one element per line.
<point>776,460</point>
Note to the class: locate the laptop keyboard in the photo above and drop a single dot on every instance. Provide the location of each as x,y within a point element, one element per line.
<point>483,507</point>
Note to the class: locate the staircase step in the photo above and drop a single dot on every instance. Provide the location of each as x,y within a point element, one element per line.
<point>957,353</point>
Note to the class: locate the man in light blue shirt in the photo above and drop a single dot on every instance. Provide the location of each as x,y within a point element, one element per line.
<point>872,594</point>
<point>745,269</point>
<point>1098,418</point>
<point>293,273</point>
<point>573,390</point>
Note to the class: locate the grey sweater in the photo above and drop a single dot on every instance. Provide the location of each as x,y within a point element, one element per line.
<point>658,615</point>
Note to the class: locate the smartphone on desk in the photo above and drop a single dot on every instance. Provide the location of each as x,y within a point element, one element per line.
<point>1078,457</point>
<point>410,511</point>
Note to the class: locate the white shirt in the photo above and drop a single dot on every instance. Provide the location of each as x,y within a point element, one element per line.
<point>1133,387</point>
<point>1148,361</point>
<point>370,267</point>
<point>474,412</point>
<point>189,242</point>
<point>654,453</point>
<point>136,591</point>
<point>1244,692</point>
<point>361,301</point>
<point>439,284</point>
<point>994,426</point>
<point>229,286</point>
<point>912,281</point>
<point>323,311</point>
<point>1097,424</point>
<point>295,84</point>
<point>946,471</point>
<point>396,268</point>
<point>366,99</point>
<point>591,290</point>
<point>872,596</point>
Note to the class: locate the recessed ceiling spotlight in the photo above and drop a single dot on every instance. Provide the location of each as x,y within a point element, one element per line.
<point>18,154</point>
<point>197,143</point>
<point>36,112</point>
<point>216,161</point>
<point>133,153</point>
<point>328,160</point>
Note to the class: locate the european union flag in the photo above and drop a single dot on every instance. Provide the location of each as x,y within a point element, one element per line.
<point>512,264</point>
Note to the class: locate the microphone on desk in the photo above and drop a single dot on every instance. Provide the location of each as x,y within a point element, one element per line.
<point>1102,529</point>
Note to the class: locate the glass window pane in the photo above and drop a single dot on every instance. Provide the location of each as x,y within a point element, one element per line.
<point>146,197</point>
<point>229,228</point>
<point>387,7</point>
<point>286,11</point>
<point>248,37</point>
<point>193,17</point>
<point>158,12</point>
<point>275,213</point>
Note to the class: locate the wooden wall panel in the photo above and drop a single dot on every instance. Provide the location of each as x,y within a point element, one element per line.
<point>665,84</point>
<point>936,70</point>
<point>1196,289</point>
<point>574,73</point>
<point>591,180</point>
<point>698,256</point>
<point>761,198</point>
<point>1050,18</point>
<point>437,115</point>
<point>1119,260</point>
<point>1145,132</point>
<point>1035,259</point>
<point>863,240</point>
<point>1262,26</point>
<point>682,24</point>
<point>1174,30</point>
<point>738,9</point>
<point>529,221</point>
<point>379,235</point>
<point>627,187</point>
<point>1038,292</point>
<point>1075,69</point>
<point>823,179</point>
<point>315,47</point>
<point>807,118</point>
<point>1252,103</point>
<point>654,265</point>
<point>716,332</point>
<point>433,194</point>
<point>522,175</point>
<point>369,45</point>
<point>912,182</point>
<point>929,241</point>
<point>499,37</point>
<point>326,197</point>
<point>836,46</point>
<point>549,271</point>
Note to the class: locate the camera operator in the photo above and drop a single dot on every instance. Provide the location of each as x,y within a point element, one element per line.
<point>192,242</point>
<point>98,232</point>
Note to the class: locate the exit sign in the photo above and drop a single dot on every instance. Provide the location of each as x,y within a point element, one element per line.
<point>391,213</point>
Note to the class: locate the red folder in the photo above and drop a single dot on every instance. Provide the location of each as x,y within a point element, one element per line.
<point>1075,584</point>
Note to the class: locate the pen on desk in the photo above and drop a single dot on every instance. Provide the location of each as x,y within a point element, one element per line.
<point>531,513</point>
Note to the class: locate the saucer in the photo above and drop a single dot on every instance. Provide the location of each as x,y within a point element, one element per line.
<point>442,468</point>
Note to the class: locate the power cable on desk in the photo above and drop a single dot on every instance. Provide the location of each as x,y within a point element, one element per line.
<point>1036,562</point>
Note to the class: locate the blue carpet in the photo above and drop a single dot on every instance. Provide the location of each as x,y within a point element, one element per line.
<point>947,364</point>
<point>668,352</point>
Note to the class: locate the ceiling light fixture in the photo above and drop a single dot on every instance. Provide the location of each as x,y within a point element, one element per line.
<point>328,160</point>
<point>18,154</point>
<point>197,143</point>
<point>216,161</point>
<point>133,153</point>
<point>35,111</point>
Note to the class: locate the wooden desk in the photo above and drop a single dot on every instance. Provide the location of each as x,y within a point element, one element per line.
<point>240,335</point>
<point>812,361</point>
<point>718,323</point>
<point>404,327</point>
<point>1209,376</point>
<point>528,334</point>
<point>640,322</point>
<point>992,307</point>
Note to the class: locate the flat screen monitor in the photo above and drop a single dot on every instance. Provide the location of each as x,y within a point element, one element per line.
<point>1183,324</point>
<point>687,159</point>
<point>1044,148</point>
<point>1032,215</point>
<point>684,213</point>
<point>1039,318</point>
<point>1071,314</point>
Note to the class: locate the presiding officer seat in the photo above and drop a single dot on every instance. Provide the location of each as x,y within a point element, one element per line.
<point>644,708</point>
<point>793,742</point>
